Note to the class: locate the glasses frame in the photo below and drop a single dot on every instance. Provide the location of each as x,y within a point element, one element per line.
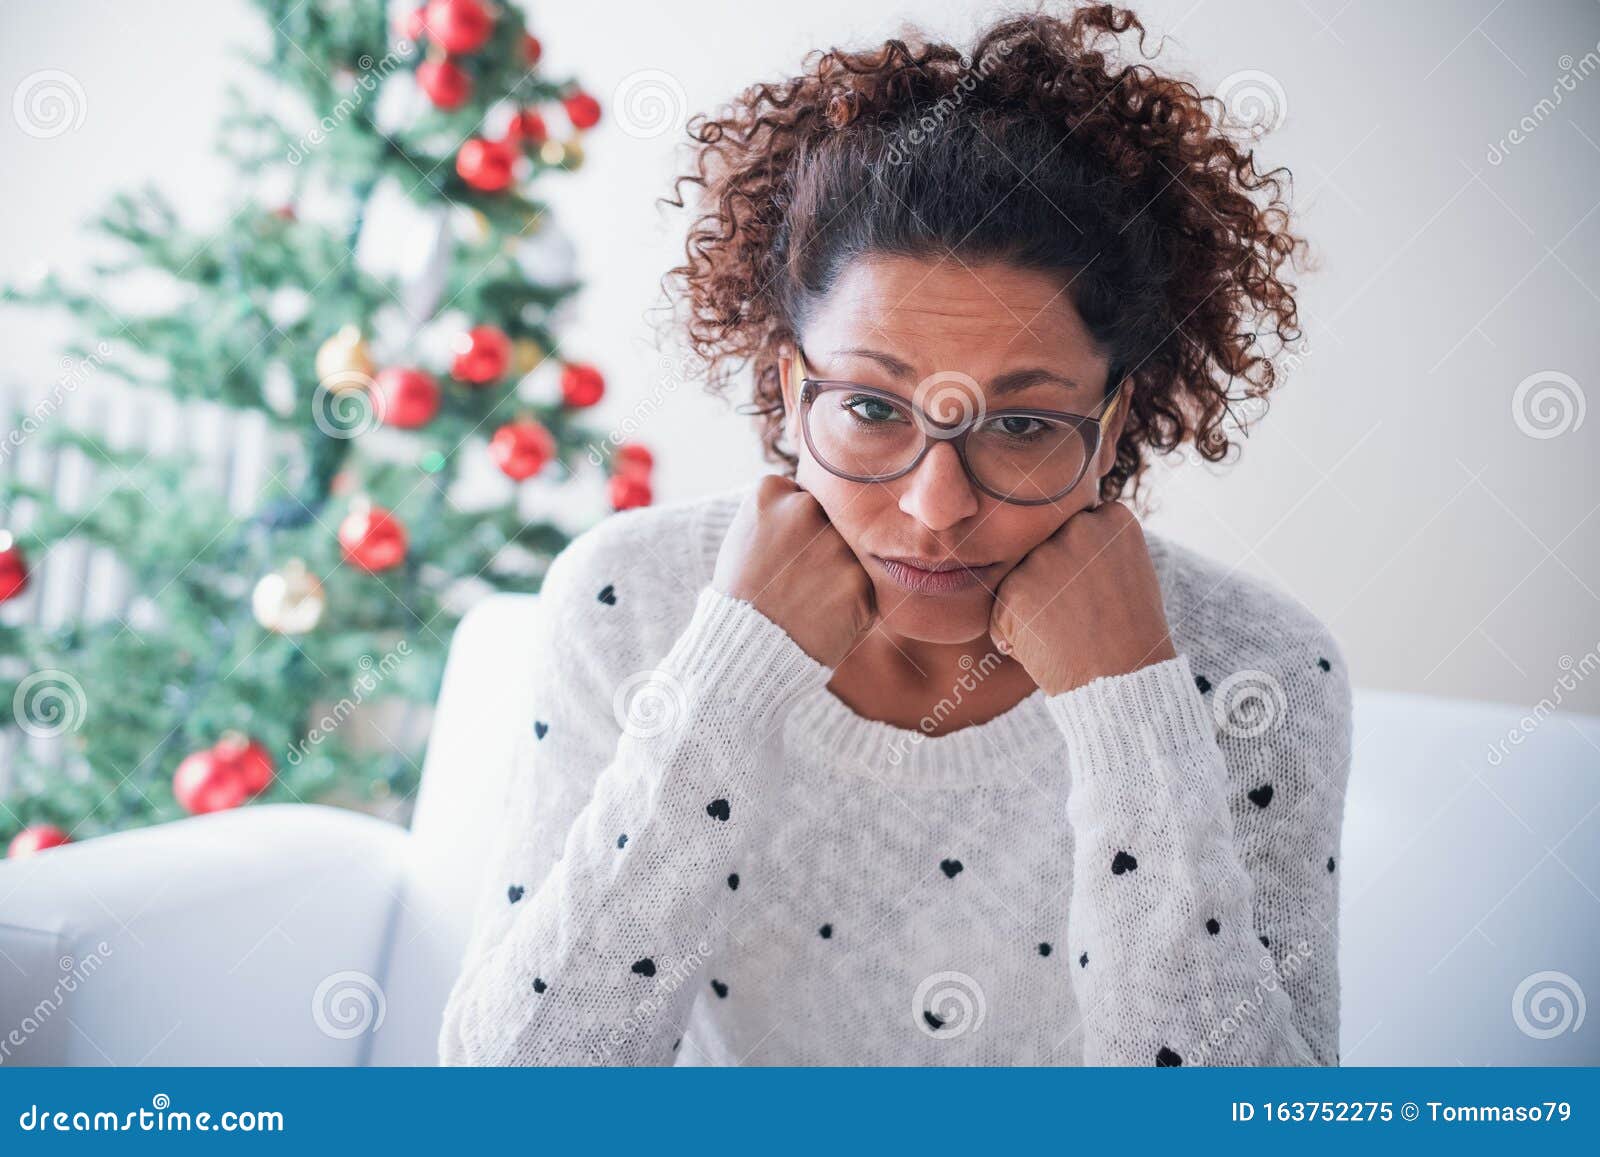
<point>1089,427</point>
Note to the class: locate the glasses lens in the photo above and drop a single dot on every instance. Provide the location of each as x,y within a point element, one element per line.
<point>862,434</point>
<point>1028,458</point>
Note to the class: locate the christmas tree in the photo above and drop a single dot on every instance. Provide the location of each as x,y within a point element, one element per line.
<point>255,638</point>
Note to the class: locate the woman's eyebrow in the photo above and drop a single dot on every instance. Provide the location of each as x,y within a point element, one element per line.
<point>1006,383</point>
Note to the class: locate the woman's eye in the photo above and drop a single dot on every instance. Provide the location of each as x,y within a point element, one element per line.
<point>870,409</point>
<point>1018,426</point>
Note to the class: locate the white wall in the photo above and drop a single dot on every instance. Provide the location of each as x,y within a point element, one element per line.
<point>1392,488</point>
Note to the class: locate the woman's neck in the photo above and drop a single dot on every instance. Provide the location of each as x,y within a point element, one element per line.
<point>933,688</point>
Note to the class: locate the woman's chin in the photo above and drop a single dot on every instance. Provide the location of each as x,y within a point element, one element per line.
<point>936,618</point>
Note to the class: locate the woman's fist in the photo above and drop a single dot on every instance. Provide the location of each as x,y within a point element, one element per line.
<point>1084,603</point>
<point>784,557</point>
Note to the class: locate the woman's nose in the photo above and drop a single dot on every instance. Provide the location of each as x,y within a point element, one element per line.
<point>938,492</point>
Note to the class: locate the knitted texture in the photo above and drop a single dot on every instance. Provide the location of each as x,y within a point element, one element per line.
<point>708,858</point>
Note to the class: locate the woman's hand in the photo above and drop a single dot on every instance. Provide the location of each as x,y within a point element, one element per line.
<point>784,557</point>
<point>1083,603</point>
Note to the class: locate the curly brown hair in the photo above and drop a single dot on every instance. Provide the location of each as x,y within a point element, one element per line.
<point>1036,149</point>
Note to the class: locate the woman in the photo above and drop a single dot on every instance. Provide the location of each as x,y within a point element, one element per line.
<point>923,751</point>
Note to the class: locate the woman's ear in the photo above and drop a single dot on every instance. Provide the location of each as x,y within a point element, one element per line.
<point>786,384</point>
<point>1115,420</point>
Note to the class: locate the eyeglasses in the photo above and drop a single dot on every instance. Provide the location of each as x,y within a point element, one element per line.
<point>1021,455</point>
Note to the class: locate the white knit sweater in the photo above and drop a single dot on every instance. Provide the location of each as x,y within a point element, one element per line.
<point>708,858</point>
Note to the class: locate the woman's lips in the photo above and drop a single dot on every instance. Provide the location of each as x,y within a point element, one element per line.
<point>920,580</point>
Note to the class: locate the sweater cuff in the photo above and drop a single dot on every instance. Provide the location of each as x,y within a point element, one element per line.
<point>732,653</point>
<point>1154,712</point>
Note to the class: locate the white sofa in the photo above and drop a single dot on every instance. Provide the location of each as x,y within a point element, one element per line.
<point>288,934</point>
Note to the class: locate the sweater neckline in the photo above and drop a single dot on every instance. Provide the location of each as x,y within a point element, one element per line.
<point>1006,750</point>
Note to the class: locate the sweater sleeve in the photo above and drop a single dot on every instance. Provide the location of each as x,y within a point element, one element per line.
<point>1204,899</point>
<point>627,800</point>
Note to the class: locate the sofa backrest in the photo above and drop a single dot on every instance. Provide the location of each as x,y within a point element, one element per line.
<point>484,698</point>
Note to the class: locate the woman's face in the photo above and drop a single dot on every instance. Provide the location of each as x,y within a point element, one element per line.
<point>901,323</point>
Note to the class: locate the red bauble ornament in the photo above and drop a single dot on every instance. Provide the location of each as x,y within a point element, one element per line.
<point>487,165</point>
<point>527,127</point>
<point>13,568</point>
<point>522,448</point>
<point>239,755</point>
<point>414,27</point>
<point>581,384</point>
<point>203,783</point>
<point>632,458</point>
<point>582,110</point>
<point>457,25</point>
<point>629,490</point>
<point>372,538</point>
<point>35,838</point>
<point>405,398</point>
<point>482,355</point>
<point>532,50</point>
<point>444,82</point>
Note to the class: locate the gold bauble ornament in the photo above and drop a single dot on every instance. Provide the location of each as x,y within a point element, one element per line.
<point>344,362</point>
<point>289,601</point>
<point>567,155</point>
<point>526,354</point>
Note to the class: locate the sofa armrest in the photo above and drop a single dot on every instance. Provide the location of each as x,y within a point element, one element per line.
<point>243,937</point>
